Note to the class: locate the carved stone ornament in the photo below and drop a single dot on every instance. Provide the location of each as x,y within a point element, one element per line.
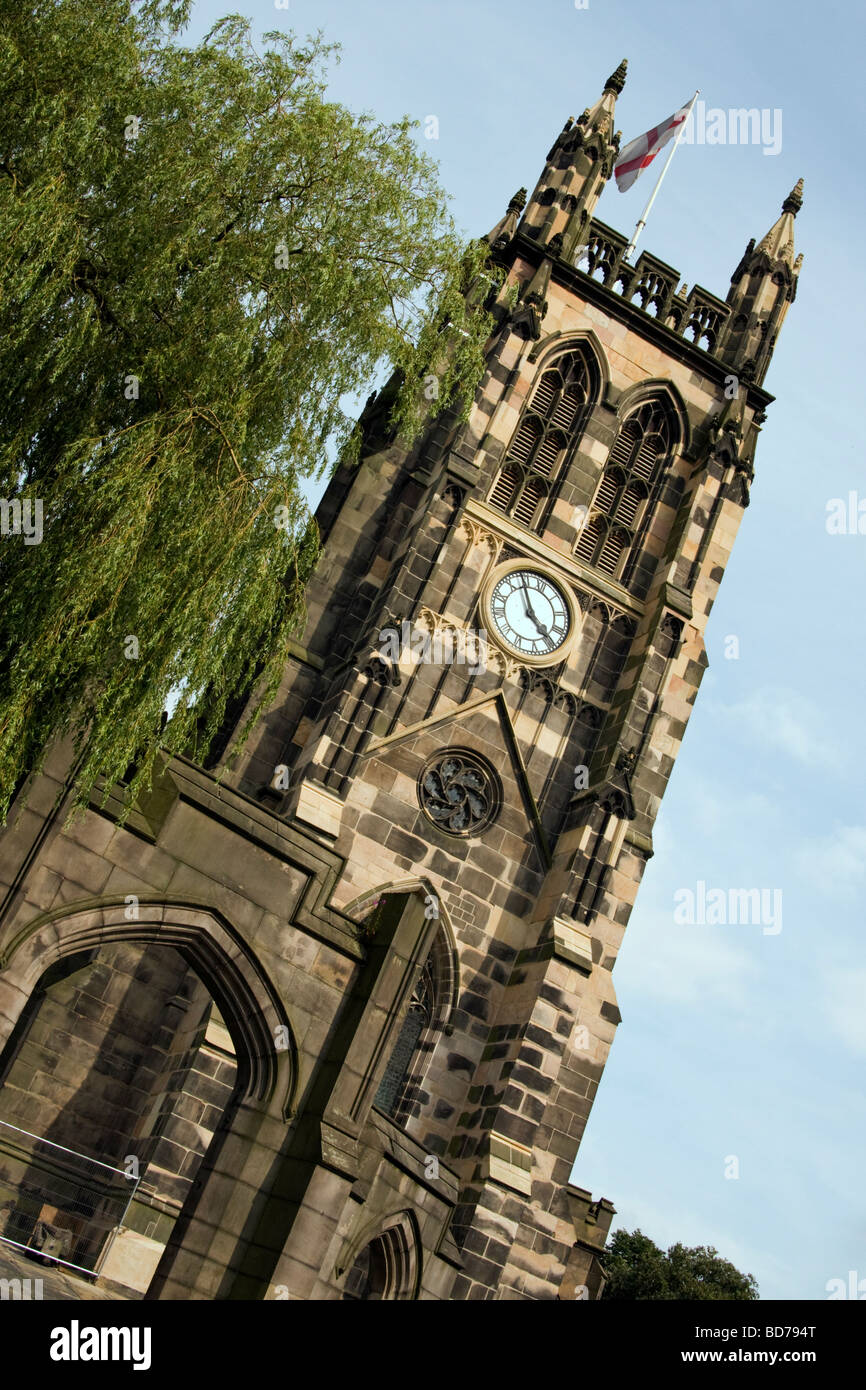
<point>459,792</point>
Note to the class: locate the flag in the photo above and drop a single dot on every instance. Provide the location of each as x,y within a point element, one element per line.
<point>641,152</point>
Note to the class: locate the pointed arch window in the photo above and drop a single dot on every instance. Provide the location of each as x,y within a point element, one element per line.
<point>549,427</point>
<point>429,1005</point>
<point>385,1270</point>
<point>626,490</point>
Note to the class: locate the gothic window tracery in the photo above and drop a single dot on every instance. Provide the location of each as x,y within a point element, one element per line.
<point>426,1014</point>
<point>383,1270</point>
<point>419,1017</point>
<point>636,461</point>
<point>459,792</point>
<point>548,428</point>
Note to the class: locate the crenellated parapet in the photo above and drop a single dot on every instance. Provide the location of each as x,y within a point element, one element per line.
<point>740,331</point>
<point>652,285</point>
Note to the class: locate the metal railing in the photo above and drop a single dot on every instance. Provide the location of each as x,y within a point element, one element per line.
<point>57,1205</point>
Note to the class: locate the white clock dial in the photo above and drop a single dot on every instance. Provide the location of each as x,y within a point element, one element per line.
<point>530,612</point>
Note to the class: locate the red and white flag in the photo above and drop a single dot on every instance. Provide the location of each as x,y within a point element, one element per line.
<point>641,152</point>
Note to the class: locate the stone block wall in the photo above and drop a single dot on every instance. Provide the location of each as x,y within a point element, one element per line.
<point>261,883</point>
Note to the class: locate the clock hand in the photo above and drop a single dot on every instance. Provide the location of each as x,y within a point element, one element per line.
<point>530,613</point>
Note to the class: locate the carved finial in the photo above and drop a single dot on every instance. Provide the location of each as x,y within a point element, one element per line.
<point>507,225</point>
<point>554,246</point>
<point>798,264</point>
<point>794,200</point>
<point>616,81</point>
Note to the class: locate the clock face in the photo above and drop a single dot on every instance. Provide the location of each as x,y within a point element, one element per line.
<point>530,612</point>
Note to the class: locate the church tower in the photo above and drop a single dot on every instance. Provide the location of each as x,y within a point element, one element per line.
<point>405,895</point>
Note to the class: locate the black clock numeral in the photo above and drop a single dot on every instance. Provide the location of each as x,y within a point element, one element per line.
<point>552,614</point>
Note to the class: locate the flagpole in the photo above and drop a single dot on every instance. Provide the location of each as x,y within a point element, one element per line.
<point>642,222</point>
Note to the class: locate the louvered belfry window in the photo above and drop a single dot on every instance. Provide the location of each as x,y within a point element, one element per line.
<point>638,455</point>
<point>548,428</point>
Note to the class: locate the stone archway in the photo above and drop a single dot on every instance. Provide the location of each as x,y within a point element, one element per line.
<point>246,998</point>
<point>383,1263</point>
<point>253,1123</point>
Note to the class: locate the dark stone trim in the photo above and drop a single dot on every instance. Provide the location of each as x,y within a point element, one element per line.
<point>569,277</point>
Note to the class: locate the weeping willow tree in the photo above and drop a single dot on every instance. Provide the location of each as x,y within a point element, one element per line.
<point>201,256</point>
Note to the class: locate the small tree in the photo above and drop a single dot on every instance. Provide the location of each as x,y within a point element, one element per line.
<point>638,1269</point>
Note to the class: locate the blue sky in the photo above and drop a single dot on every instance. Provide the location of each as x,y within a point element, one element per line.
<point>733,1042</point>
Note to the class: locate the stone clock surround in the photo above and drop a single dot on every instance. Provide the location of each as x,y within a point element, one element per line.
<point>488,622</point>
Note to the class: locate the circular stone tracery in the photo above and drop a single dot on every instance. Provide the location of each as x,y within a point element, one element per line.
<point>459,792</point>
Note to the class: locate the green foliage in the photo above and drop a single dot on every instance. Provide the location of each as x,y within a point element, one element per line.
<point>638,1269</point>
<point>187,298</point>
<point>366,930</point>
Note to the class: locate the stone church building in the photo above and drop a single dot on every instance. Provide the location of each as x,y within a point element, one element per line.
<point>342,999</point>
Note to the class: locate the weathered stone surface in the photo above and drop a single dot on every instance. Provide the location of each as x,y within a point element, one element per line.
<point>352,1034</point>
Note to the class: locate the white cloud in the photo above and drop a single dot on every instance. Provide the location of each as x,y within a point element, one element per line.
<point>783,719</point>
<point>680,964</point>
<point>845,1006</point>
<point>670,1223</point>
<point>838,862</point>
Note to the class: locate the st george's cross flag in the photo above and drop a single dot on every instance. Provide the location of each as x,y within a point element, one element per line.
<point>641,152</point>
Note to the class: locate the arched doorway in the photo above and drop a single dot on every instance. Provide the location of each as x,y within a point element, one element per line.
<point>131,1044</point>
<point>112,1085</point>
